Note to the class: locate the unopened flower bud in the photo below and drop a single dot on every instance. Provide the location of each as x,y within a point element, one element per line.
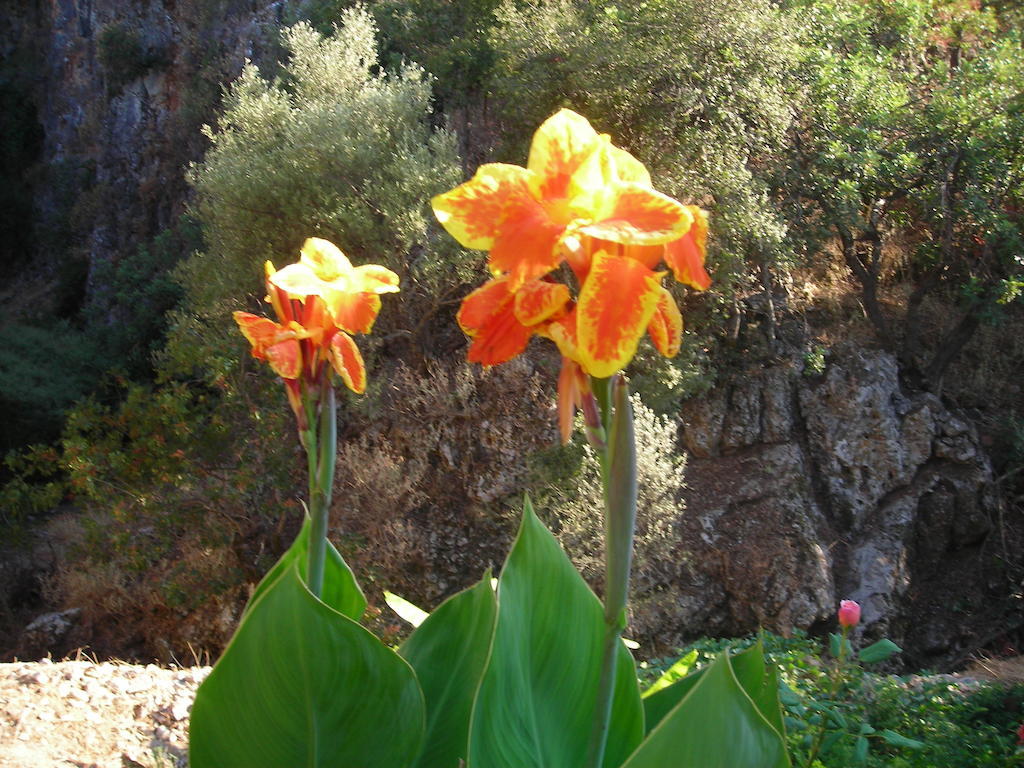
<point>849,614</point>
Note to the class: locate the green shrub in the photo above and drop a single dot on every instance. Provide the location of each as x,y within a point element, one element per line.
<point>960,725</point>
<point>125,56</point>
<point>566,485</point>
<point>335,148</point>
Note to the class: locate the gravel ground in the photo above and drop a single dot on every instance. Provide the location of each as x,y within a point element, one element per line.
<point>80,714</point>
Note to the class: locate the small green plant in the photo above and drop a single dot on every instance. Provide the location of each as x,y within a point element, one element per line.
<point>814,361</point>
<point>826,722</point>
<point>125,56</point>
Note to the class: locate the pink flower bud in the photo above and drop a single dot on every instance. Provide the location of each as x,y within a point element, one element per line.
<point>849,614</point>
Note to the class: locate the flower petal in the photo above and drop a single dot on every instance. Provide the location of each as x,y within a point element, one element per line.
<point>353,312</point>
<point>572,383</point>
<point>372,278</point>
<point>473,212</point>
<point>478,307</point>
<point>285,358</point>
<point>348,362</point>
<point>562,331</point>
<point>538,300</point>
<point>638,215</point>
<point>325,259</point>
<point>487,316</point>
<point>666,326</point>
<point>559,146</point>
<point>628,168</point>
<point>615,306</point>
<point>260,331</point>
<point>685,256</point>
<point>528,245</point>
<point>299,281</point>
<point>278,298</point>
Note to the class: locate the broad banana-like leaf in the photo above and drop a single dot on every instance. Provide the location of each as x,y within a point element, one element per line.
<point>536,702</point>
<point>301,684</point>
<point>716,722</point>
<point>340,590</point>
<point>448,651</point>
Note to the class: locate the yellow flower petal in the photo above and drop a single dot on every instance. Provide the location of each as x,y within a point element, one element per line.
<point>473,212</point>
<point>562,331</point>
<point>628,168</point>
<point>325,259</point>
<point>559,146</point>
<point>299,281</point>
<point>615,306</point>
<point>372,278</point>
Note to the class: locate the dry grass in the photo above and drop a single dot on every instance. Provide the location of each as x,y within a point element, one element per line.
<point>1008,670</point>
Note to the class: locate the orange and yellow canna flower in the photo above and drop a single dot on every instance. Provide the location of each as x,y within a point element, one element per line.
<point>585,203</point>
<point>319,302</point>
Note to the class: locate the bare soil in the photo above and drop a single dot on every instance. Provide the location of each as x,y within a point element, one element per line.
<point>83,714</point>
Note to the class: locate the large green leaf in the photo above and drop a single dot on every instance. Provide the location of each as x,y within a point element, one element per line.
<point>716,723</point>
<point>538,696</point>
<point>340,590</point>
<point>302,686</point>
<point>449,651</point>
<point>760,681</point>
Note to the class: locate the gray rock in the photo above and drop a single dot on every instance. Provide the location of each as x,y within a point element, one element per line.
<point>802,491</point>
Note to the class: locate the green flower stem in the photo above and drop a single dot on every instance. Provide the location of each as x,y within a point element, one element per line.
<point>322,455</point>
<point>836,681</point>
<point>618,465</point>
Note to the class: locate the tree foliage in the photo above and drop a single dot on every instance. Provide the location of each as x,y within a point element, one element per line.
<point>332,147</point>
<point>913,124</point>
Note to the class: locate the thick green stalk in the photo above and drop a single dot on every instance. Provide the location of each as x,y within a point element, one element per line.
<point>321,484</point>
<point>620,491</point>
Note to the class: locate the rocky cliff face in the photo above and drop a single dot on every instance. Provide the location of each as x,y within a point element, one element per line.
<point>805,489</point>
<point>120,89</point>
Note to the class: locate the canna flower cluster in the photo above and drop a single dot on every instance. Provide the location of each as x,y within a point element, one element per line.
<point>320,301</point>
<point>574,242</point>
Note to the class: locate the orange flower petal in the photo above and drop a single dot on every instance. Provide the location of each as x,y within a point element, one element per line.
<point>478,307</point>
<point>528,245</point>
<point>538,300</point>
<point>487,316</point>
<point>615,306</point>
<point>278,299</point>
<point>559,146</point>
<point>348,362</point>
<point>285,358</point>
<point>570,396</point>
<point>502,338</point>
<point>685,256</point>
<point>648,255</point>
<point>260,331</point>
<point>666,326</point>
<point>638,215</point>
<point>372,278</point>
<point>473,212</point>
<point>353,312</point>
<point>324,259</point>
